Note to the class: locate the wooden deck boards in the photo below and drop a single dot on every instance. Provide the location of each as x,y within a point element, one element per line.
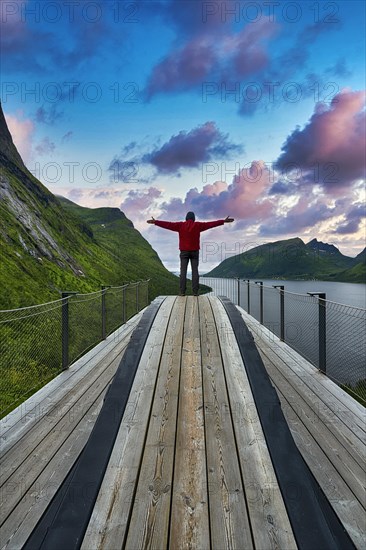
<point>41,440</point>
<point>190,467</point>
<point>329,427</point>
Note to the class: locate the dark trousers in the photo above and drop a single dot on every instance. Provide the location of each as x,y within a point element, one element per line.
<point>185,256</point>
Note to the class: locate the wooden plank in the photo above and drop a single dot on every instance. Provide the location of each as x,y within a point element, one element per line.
<point>348,409</point>
<point>53,427</point>
<point>229,521</point>
<point>149,525</point>
<point>38,457</point>
<point>41,405</point>
<point>320,450</point>
<point>349,510</point>
<point>267,512</point>
<point>334,443</point>
<point>189,514</point>
<point>19,525</point>
<point>325,410</point>
<point>111,513</point>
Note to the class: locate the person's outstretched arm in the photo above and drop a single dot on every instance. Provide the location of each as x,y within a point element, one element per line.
<point>209,225</point>
<point>173,226</point>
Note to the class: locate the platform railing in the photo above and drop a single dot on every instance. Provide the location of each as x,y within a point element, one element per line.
<point>38,342</point>
<point>330,335</point>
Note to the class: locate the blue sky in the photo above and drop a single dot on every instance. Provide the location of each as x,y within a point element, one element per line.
<point>249,109</point>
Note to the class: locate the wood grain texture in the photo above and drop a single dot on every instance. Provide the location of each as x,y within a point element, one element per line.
<point>230,527</point>
<point>267,512</point>
<point>189,514</point>
<point>149,525</point>
<point>109,521</point>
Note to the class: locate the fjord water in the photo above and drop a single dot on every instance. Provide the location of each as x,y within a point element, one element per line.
<point>350,294</point>
<point>346,323</point>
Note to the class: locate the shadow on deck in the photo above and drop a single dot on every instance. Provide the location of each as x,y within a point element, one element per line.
<point>171,435</point>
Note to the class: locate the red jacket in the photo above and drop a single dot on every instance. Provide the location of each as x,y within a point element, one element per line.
<point>189,231</point>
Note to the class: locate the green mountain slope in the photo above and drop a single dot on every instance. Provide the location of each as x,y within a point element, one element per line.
<point>293,259</point>
<point>48,245</point>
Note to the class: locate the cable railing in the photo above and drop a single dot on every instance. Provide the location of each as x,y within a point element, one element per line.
<point>38,342</point>
<point>330,335</point>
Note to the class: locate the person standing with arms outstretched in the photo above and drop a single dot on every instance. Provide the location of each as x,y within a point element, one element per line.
<point>189,245</point>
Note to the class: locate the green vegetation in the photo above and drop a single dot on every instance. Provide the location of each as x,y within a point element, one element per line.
<point>49,245</point>
<point>293,259</point>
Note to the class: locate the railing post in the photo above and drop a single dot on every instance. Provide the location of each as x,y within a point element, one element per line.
<point>147,292</point>
<point>282,311</point>
<point>322,330</point>
<point>124,306</point>
<point>104,312</point>
<point>238,291</point>
<point>65,328</point>
<point>260,283</point>
<point>248,283</point>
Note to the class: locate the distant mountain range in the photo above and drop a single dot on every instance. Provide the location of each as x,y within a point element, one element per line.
<point>293,259</point>
<point>49,244</point>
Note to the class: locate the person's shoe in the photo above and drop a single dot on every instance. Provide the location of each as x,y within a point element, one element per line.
<point>195,294</point>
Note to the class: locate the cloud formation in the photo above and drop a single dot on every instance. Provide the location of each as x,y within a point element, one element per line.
<point>138,202</point>
<point>208,55</point>
<point>308,212</point>
<point>49,115</point>
<point>352,219</point>
<point>191,149</point>
<point>45,147</point>
<point>67,136</point>
<point>245,199</point>
<point>330,149</point>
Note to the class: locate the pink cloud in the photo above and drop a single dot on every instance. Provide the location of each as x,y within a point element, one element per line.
<point>332,144</point>
<point>300,217</point>
<point>244,198</point>
<point>138,203</point>
<point>22,131</point>
<point>247,48</point>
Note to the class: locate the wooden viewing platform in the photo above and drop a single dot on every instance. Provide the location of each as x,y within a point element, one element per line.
<point>170,435</point>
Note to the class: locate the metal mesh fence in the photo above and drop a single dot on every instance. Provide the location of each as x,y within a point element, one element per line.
<point>338,348</point>
<point>85,323</point>
<point>38,342</point>
<point>30,351</point>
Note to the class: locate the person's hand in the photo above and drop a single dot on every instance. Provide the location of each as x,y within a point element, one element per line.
<point>228,220</point>
<point>152,220</point>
